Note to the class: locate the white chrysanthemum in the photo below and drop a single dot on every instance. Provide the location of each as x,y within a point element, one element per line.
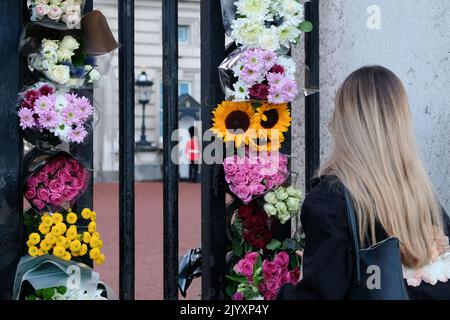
<point>290,9</point>
<point>289,65</point>
<point>254,9</point>
<point>237,69</point>
<point>62,132</point>
<point>247,31</point>
<point>240,91</point>
<point>269,39</point>
<point>288,33</point>
<point>60,103</point>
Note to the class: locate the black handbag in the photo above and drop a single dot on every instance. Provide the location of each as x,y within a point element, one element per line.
<point>378,269</point>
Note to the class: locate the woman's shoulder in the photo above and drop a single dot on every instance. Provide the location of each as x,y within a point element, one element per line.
<point>327,188</point>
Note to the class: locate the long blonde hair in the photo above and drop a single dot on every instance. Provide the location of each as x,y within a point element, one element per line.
<point>376,158</point>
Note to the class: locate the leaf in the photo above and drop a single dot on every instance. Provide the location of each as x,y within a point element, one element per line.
<point>273,245</point>
<point>61,290</point>
<point>237,248</point>
<point>256,276</point>
<point>47,294</point>
<point>306,26</point>
<point>240,279</point>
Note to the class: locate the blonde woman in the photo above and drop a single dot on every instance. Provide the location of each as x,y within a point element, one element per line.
<point>376,159</point>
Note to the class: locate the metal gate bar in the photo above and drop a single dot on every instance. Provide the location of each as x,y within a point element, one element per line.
<point>213,193</point>
<point>312,102</point>
<point>126,148</point>
<point>170,124</point>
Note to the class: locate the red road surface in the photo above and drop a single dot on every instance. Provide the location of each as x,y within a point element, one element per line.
<point>149,234</point>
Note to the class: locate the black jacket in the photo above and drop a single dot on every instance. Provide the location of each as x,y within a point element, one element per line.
<point>328,257</point>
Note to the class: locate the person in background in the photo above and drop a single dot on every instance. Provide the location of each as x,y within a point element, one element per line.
<point>192,152</point>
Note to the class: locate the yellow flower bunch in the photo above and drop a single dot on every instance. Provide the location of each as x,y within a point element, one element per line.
<point>59,236</point>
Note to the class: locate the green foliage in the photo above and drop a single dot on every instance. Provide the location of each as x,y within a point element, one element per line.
<point>306,26</point>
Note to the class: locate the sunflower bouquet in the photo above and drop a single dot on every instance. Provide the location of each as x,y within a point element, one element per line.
<point>58,234</point>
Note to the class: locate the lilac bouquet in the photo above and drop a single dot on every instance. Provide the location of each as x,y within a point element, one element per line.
<point>264,75</point>
<point>252,176</point>
<point>49,112</point>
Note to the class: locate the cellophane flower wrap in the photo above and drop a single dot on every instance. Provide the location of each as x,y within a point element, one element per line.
<point>56,183</point>
<point>268,24</point>
<point>251,176</point>
<point>54,115</point>
<point>258,74</point>
<point>64,13</point>
<point>255,277</point>
<point>64,63</point>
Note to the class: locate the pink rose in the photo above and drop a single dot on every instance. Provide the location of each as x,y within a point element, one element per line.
<point>64,175</point>
<point>30,193</point>
<point>244,267</point>
<point>278,179</point>
<point>41,10</point>
<point>43,194</point>
<point>73,165</point>
<point>252,257</point>
<point>242,192</point>
<point>32,182</point>
<point>281,259</point>
<point>39,204</point>
<point>255,176</point>
<point>256,188</point>
<point>70,194</point>
<point>272,285</point>
<point>228,178</point>
<point>55,12</point>
<point>56,199</point>
<point>229,166</point>
<point>245,167</point>
<point>42,176</point>
<point>240,178</point>
<point>238,296</point>
<point>77,183</point>
<point>270,295</point>
<point>56,186</point>
<point>82,174</point>
<point>269,268</point>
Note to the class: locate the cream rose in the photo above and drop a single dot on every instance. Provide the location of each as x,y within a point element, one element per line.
<point>269,40</point>
<point>64,54</point>
<point>55,2</point>
<point>55,12</point>
<point>60,74</point>
<point>69,43</point>
<point>41,1</point>
<point>71,19</point>
<point>94,76</point>
<point>47,44</point>
<point>41,10</point>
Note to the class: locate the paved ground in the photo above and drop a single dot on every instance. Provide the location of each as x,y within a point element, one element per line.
<point>149,234</point>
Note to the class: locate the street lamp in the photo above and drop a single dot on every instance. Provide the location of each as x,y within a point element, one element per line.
<point>143,89</point>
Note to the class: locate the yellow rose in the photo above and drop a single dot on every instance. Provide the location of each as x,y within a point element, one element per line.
<point>94,253</point>
<point>71,218</point>
<point>47,220</point>
<point>33,251</point>
<point>83,249</point>
<point>86,213</point>
<point>51,238</point>
<point>75,246</point>
<point>57,218</point>
<point>59,251</point>
<point>101,259</point>
<point>92,227</point>
<point>43,228</point>
<point>93,215</point>
<point>86,237</point>
<point>35,238</point>
<point>67,256</point>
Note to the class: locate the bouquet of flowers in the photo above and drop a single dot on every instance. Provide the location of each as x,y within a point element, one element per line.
<point>56,183</point>
<point>251,176</point>
<point>254,278</point>
<point>62,293</point>
<point>64,63</point>
<point>54,114</point>
<point>58,235</point>
<point>283,202</point>
<point>266,24</point>
<point>57,11</point>
<point>264,75</point>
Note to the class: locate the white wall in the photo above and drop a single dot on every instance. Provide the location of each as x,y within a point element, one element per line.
<point>414,42</point>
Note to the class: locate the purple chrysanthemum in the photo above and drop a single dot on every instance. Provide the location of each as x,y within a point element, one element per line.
<point>78,134</point>
<point>49,119</point>
<point>71,115</point>
<point>26,118</point>
<point>84,108</point>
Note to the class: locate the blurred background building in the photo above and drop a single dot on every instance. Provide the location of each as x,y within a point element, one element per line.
<point>148,48</point>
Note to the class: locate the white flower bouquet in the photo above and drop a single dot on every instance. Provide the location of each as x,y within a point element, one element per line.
<point>64,63</point>
<point>62,12</point>
<point>267,24</point>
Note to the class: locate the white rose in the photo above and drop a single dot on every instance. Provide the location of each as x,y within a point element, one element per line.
<point>69,43</point>
<point>291,8</point>
<point>49,44</point>
<point>75,82</point>
<point>60,74</point>
<point>55,2</point>
<point>94,76</point>
<point>269,40</point>
<point>41,10</point>
<point>49,55</point>
<point>41,1</point>
<point>73,8</point>
<point>64,54</point>
<point>55,13</point>
<point>247,31</point>
<point>71,19</point>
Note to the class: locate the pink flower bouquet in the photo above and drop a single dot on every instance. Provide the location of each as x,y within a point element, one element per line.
<point>251,176</point>
<point>67,12</point>
<point>254,278</point>
<point>54,116</point>
<point>57,183</point>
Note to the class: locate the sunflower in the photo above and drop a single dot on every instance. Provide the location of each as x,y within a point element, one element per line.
<point>269,123</point>
<point>232,121</point>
